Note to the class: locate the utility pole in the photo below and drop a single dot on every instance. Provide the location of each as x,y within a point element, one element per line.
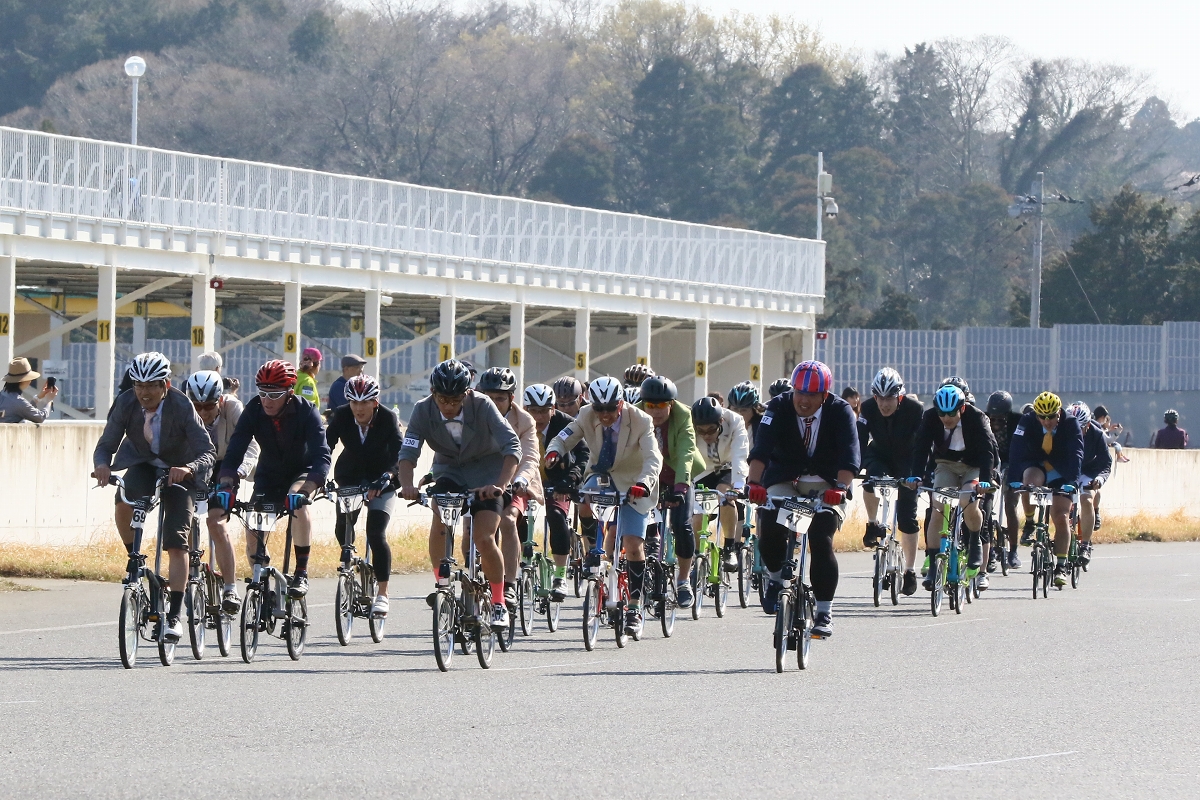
<point>1037,192</point>
<point>826,206</point>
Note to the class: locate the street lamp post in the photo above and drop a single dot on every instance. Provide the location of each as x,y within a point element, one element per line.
<point>826,205</point>
<point>135,67</point>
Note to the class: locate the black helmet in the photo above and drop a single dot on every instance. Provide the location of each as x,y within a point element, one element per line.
<point>450,377</point>
<point>744,395</point>
<point>635,374</point>
<point>706,411</point>
<point>962,386</point>
<point>779,387</point>
<point>497,379</point>
<point>567,388</point>
<point>657,389</point>
<point>1000,403</point>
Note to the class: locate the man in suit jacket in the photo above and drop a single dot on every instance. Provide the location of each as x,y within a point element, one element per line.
<point>153,427</point>
<point>807,444</point>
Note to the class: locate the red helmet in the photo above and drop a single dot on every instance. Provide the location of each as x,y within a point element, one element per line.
<point>811,377</point>
<point>276,373</point>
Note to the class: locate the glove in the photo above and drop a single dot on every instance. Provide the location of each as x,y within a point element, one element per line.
<point>756,493</point>
<point>679,493</point>
<point>1015,484</point>
<point>296,501</point>
<point>914,481</point>
<point>849,490</point>
<point>551,460</point>
<point>223,499</point>
<point>638,491</point>
<point>984,486</point>
<point>1068,488</point>
<point>520,484</point>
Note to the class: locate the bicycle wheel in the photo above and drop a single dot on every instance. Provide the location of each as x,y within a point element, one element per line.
<point>592,613</point>
<point>1075,571</point>
<point>745,574</point>
<point>251,612</point>
<point>295,631</point>
<point>224,626</point>
<point>576,565</point>
<point>617,614</point>
<point>783,623</point>
<point>1047,573</point>
<point>880,572</point>
<point>166,650</point>
<point>896,569</point>
<point>699,581</point>
<point>802,625</point>
<point>525,602</point>
<point>343,608</point>
<point>443,629</point>
<point>485,635</point>
<point>197,611</point>
<point>128,623</point>
<point>668,607</point>
<point>1035,566</point>
<point>939,586</point>
<point>505,636</point>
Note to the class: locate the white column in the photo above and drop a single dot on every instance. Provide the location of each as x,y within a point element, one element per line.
<point>583,331</point>
<point>756,354</point>
<point>516,344</point>
<point>446,319</point>
<point>700,385</point>
<point>139,333</point>
<point>204,316</point>
<point>808,341</point>
<point>371,331</point>
<point>643,339</point>
<point>291,322</point>
<point>8,307</point>
<point>106,340</point>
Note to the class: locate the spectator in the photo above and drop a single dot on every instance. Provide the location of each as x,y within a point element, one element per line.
<point>13,405</point>
<point>1171,437</point>
<point>210,360</point>
<point>351,365</point>
<point>231,386</point>
<point>306,376</point>
<point>1112,432</point>
<point>851,396</point>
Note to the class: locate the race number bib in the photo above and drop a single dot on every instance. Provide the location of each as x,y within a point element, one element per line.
<point>411,442</point>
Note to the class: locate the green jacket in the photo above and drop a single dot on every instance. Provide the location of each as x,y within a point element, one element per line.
<point>306,387</point>
<point>681,442</point>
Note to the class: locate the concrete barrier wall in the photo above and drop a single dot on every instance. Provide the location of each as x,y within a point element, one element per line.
<point>47,496</point>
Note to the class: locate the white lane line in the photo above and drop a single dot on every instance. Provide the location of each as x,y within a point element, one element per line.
<point>60,628</point>
<point>548,666</point>
<point>1003,761</point>
<point>937,625</point>
<point>15,702</point>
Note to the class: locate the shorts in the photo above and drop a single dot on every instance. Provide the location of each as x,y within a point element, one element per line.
<point>475,505</point>
<point>176,508</point>
<point>953,474</point>
<point>1052,479</point>
<point>271,489</point>
<point>631,522</point>
<point>518,501</point>
<point>715,479</point>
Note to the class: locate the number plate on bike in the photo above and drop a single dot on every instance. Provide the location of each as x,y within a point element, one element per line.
<point>602,499</point>
<point>139,516</point>
<point>262,520</point>
<point>707,503</point>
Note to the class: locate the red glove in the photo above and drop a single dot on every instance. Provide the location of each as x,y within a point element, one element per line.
<point>551,459</point>
<point>756,493</point>
<point>638,491</point>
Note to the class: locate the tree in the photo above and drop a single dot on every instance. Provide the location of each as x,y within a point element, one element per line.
<point>313,37</point>
<point>579,171</point>
<point>895,312</point>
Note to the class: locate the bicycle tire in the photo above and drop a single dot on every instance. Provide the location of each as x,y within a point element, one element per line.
<point>804,615</point>
<point>877,580</point>
<point>745,575</point>
<point>343,609</point>
<point>592,609</point>
<point>128,625</point>
<point>897,571</point>
<point>1035,567</point>
<point>295,630</point>
<point>224,626</point>
<point>525,602</point>
<point>508,634</point>
<point>783,622</point>
<point>251,613</point>
<point>1047,574</point>
<point>166,650</point>
<point>669,605</point>
<point>553,611</point>
<point>1075,570</point>
<point>197,610</point>
<point>443,629</point>
<point>576,565</point>
<point>699,580</point>
<point>720,589</point>
<point>485,635</point>
<point>938,594</point>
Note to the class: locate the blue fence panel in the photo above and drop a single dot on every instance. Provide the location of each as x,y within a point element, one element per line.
<point>1109,358</point>
<point>1012,359</point>
<point>1183,356</point>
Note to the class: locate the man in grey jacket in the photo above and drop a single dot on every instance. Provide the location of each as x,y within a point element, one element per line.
<point>153,428</point>
<point>475,450</point>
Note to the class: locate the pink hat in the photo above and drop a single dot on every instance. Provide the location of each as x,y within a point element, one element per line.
<point>313,353</point>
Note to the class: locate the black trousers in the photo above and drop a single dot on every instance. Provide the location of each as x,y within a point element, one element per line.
<point>823,566</point>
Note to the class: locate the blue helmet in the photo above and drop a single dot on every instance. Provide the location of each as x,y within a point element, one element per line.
<point>948,399</point>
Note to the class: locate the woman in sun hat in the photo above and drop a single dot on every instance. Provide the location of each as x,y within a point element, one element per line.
<point>13,405</point>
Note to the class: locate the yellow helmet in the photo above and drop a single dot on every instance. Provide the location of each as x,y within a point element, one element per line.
<point>1047,404</point>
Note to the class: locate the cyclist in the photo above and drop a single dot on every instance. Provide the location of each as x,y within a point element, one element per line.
<point>633,394</point>
<point>1047,450</point>
<point>1097,464</point>
<point>725,448</point>
<point>778,387</point>
<point>621,442</point>
<point>306,376</point>
<point>681,460</point>
<point>500,384</point>
<point>956,438</point>
<point>889,422</point>
<point>370,437</point>
<point>153,427</point>
<point>560,482</point>
<point>807,443</point>
<point>293,459</point>
<point>475,450</point>
<point>635,374</point>
<point>1003,421</point>
<point>745,400</point>
<point>220,414</point>
<point>569,398</point>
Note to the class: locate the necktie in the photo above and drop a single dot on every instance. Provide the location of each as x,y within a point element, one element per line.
<point>608,451</point>
<point>808,430</point>
<point>148,427</point>
<point>1047,446</point>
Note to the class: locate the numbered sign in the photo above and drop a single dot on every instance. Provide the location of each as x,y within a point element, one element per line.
<point>139,309</point>
<point>3,324</point>
<point>219,315</point>
<point>198,336</point>
<point>581,361</point>
<point>103,330</point>
<point>356,324</point>
<point>514,357</point>
<point>701,368</point>
<point>370,346</point>
<point>642,360</point>
<point>755,372</point>
<point>445,352</point>
<point>289,343</point>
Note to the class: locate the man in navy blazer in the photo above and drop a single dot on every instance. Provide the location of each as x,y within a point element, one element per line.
<point>807,443</point>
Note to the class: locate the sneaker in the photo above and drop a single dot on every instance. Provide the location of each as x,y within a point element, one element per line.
<point>993,561</point>
<point>925,567</point>
<point>770,601</point>
<point>684,595</point>
<point>874,533</point>
<point>1096,524</point>
<point>910,583</point>
<point>1014,560</point>
<point>633,621</point>
<point>558,590</point>
<point>982,582</point>
<point>1060,577</point>
<point>729,558</point>
<point>1085,554</point>
<point>510,595</point>
<point>174,630</point>
<point>297,586</point>
<point>379,608</point>
<point>928,582</point>
<point>822,625</point>
<point>499,617</point>
<point>230,602</point>
<point>1027,533</point>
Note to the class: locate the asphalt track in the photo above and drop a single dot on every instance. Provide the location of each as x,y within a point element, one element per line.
<point>1089,693</point>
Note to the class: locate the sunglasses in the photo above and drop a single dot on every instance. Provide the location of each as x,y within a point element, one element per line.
<point>665,404</point>
<point>205,406</point>
<point>272,394</point>
<point>451,398</point>
<point>570,401</point>
<point>947,414</point>
<point>708,430</point>
<point>605,409</point>
<point>1047,416</point>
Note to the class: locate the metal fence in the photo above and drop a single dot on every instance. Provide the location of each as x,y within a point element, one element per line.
<point>91,179</point>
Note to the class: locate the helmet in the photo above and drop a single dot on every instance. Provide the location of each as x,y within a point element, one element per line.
<point>1000,403</point>
<point>567,388</point>
<point>1046,404</point>
<point>887,383</point>
<point>538,395</point>
<point>633,394</point>
<point>470,365</point>
<point>706,411</point>
<point>604,391</point>
<point>962,386</point>
<point>362,387</point>
<point>450,377</point>
<point>657,389</point>
<point>811,376</point>
<point>497,379</point>
<point>949,399</point>
<point>1080,411</point>
<point>204,386</point>
<point>150,367</point>
<point>636,373</point>
<point>778,387</point>
<point>1171,416</point>
<point>276,373</point>
<point>744,395</point>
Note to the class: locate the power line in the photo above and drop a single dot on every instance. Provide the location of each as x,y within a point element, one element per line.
<point>1054,231</point>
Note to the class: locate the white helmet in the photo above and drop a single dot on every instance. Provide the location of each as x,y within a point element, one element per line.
<point>538,395</point>
<point>887,383</point>
<point>362,387</point>
<point>1080,411</point>
<point>150,367</point>
<point>633,394</point>
<point>604,391</point>
<point>204,386</point>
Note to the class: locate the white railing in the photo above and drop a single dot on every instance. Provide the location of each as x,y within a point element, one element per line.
<point>84,178</point>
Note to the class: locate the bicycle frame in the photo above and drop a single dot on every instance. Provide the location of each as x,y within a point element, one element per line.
<point>889,556</point>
